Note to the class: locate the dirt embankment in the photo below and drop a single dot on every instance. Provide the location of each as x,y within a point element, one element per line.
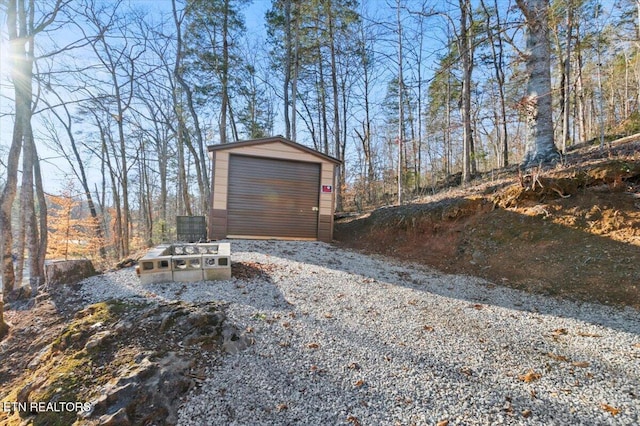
<point>572,231</point>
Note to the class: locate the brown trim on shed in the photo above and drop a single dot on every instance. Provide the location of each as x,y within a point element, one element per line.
<point>218,223</point>
<point>211,232</point>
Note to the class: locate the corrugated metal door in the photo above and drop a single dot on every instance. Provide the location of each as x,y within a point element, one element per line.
<point>272,198</point>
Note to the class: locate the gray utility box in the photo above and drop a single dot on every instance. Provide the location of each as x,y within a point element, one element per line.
<point>191,229</point>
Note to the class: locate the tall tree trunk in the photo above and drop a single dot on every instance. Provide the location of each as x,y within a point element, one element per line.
<point>224,78</point>
<point>540,146</point>
<point>202,171</point>
<point>322,97</point>
<point>566,93</point>
<point>287,66</point>
<point>34,241</point>
<point>21,30</point>
<point>183,186</point>
<point>400,102</point>
<point>336,104</point>
<point>21,77</point>
<point>466,52</point>
<point>296,69</point>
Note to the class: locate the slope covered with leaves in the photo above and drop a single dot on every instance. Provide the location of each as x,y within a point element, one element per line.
<point>571,231</point>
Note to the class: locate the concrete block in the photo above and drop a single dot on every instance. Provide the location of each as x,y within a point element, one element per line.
<point>156,277</point>
<point>187,268</point>
<point>215,261</point>
<point>186,263</point>
<point>224,249</point>
<point>188,276</point>
<point>151,265</point>
<point>208,248</point>
<point>217,274</point>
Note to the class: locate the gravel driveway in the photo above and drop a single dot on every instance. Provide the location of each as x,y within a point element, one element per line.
<point>346,338</point>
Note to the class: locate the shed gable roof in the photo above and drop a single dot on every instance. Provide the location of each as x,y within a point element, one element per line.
<point>250,142</point>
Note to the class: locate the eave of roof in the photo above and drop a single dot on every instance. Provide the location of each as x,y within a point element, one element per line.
<point>250,142</point>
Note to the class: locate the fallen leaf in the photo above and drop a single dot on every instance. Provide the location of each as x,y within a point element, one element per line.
<point>442,423</point>
<point>613,410</point>
<point>582,334</point>
<point>526,413</point>
<point>477,306</point>
<point>530,376</point>
<point>282,407</point>
<point>581,364</point>
<point>313,346</point>
<point>412,302</point>
<point>286,324</point>
<point>328,315</point>
<point>558,357</point>
<point>637,345</point>
<point>359,383</point>
<point>354,420</point>
<point>428,328</point>
<point>559,332</point>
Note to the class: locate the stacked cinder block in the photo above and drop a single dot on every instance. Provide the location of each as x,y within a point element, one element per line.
<point>186,263</point>
<point>155,266</point>
<point>217,266</point>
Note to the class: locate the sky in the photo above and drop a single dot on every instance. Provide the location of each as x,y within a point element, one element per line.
<point>254,13</point>
<point>55,169</point>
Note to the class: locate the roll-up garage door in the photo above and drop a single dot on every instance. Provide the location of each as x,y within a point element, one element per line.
<point>272,197</point>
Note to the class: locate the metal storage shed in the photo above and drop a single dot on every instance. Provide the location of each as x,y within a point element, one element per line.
<point>271,188</point>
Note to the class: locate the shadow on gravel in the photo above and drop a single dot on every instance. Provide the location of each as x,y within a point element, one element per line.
<point>418,277</point>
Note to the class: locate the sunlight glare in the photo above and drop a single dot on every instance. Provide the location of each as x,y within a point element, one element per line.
<point>5,62</point>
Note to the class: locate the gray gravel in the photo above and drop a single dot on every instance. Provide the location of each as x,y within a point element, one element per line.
<point>346,338</point>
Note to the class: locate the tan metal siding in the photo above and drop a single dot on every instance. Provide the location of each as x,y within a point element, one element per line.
<point>272,197</point>
<point>276,150</point>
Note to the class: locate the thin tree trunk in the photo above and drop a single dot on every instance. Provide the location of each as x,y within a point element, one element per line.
<point>336,108</point>
<point>467,68</point>
<point>400,103</point>
<point>224,80</point>
<point>202,171</point>
<point>287,66</point>
<point>296,66</point>
<point>567,81</point>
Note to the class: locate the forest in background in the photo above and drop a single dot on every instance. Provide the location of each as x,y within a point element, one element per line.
<point>128,94</point>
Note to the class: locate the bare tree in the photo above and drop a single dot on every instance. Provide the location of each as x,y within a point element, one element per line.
<point>465,46</point>
<point>23,26</point>
<point>540,146</point>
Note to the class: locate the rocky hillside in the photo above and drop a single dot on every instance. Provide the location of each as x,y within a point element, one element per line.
<point>571,231</point>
